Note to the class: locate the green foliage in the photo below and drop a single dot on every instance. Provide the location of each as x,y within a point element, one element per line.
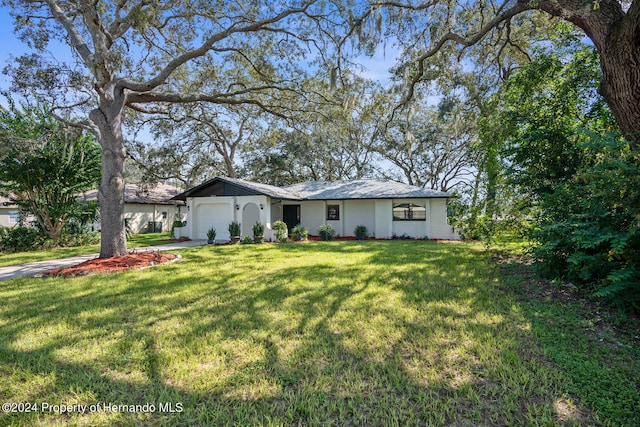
<point>127,228</point>
<point>326,232</point>
<point>211,234</point>
<point>82,238</point>
<point>22,239</point>
<point>44,166</point>
<point>299,232</point>
<point>589,234</point>
<point>247,240</point>
<point>430,326</point>
<point>578,181</point>
<point>175,224</point>
<point>361,232</point>
<point>258,229</point>
<point>595,347</point>
<point>18,239</point>
<point>234,229</point>
<point>281,231</point>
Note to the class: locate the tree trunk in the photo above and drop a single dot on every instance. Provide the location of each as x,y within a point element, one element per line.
<point>108,118</point>
<point>620,85</point>
<point>616,35</point>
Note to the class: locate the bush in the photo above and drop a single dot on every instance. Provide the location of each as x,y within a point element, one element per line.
<point>84,238</point>
<point>299,232</point>
<point>281,231</point>
<point>174,225</point>
<point>361,232</point>
<point>19,239</point>
<point>234,229</point>
<point>211,234</point>
<point>589,234</point>
<point>326,232</point>
<point>247,240</point>
<point>258,229</point>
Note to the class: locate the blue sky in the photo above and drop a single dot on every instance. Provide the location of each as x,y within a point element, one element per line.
<point>10,44</point>
<point>376,67</point>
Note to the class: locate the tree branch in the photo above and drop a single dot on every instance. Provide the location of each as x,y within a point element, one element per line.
<point>164,74</point>
<point>77,41</point>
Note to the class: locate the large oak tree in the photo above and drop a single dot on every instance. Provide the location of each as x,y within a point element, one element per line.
<point>427,28</point>
<point>139,55</point>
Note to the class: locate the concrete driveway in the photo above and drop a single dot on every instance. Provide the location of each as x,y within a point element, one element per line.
<point>33,268</point>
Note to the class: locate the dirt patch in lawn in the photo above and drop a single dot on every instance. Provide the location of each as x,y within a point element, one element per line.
<point>113,264</point>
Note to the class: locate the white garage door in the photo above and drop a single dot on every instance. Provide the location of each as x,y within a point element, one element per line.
<point>216,215</point>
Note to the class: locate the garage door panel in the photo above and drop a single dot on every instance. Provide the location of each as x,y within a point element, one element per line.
<point>216,215</point>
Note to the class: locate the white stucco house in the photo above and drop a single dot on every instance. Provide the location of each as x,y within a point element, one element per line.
<point>147,208</point>
<point>386,208</point>
<point>9,213</point>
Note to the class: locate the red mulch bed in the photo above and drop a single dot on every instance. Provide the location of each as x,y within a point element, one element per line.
<point>118,263</point>
<point>349,238</point>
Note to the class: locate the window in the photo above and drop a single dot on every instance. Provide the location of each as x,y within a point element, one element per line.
<point>164,215</point>
<point>409,212</point>
<point>333,212</point>
<point>14,217</point>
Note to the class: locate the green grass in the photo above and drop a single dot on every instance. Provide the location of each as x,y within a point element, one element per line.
<point>341,333</point>
<point>137,240</point>
<point>597,348</point>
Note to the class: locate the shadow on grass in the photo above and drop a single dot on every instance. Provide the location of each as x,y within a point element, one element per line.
<point>371,333</point>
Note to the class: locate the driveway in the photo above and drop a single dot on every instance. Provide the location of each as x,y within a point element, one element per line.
<point>32,268</point>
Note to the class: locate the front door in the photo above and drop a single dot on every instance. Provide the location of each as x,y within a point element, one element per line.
<point>291,215</point>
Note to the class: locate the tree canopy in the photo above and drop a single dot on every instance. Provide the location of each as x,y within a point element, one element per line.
<point>45,165</point>
<point>435,29</point>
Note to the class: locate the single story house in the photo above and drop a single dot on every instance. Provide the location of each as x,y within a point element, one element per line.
<point>9,213</point>
<point>386,208</point>
<point>147,208</point>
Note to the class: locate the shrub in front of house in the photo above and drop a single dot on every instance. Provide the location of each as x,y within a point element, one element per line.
<point>234,229</point>
<point>211,235</point>
<point>174,225</point>
<point>299,232</point>
<point>20,239</point>
<point>280,230</point>
<point>258,229</point>
<point>361,232</point>
<point>326,232</point>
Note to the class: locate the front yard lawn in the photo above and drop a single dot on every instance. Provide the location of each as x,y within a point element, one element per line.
<point>320,333</point>
<point>137,240</point>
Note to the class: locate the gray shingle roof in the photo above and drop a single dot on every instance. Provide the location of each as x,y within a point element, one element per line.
<point>324,190</point>
<point>159,194</point>
<point>361,189</point>
<point>5,202</point>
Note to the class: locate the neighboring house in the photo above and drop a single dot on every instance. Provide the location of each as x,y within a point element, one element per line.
<point>9,213</point>
<point>386,208</point>
<point>147,208</point>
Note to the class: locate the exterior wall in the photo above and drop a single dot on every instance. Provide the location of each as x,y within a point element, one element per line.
<point>312,215</point>
<point>440,229</point>
<point>139,216</point>
<point>204,213</point>
<point>377,215</point>
<point>5,220</point>
<point>276,211</point>
<point>416,229</point>
<point>384,219</point>
<point>359,212</point>
<point>338,225</point>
